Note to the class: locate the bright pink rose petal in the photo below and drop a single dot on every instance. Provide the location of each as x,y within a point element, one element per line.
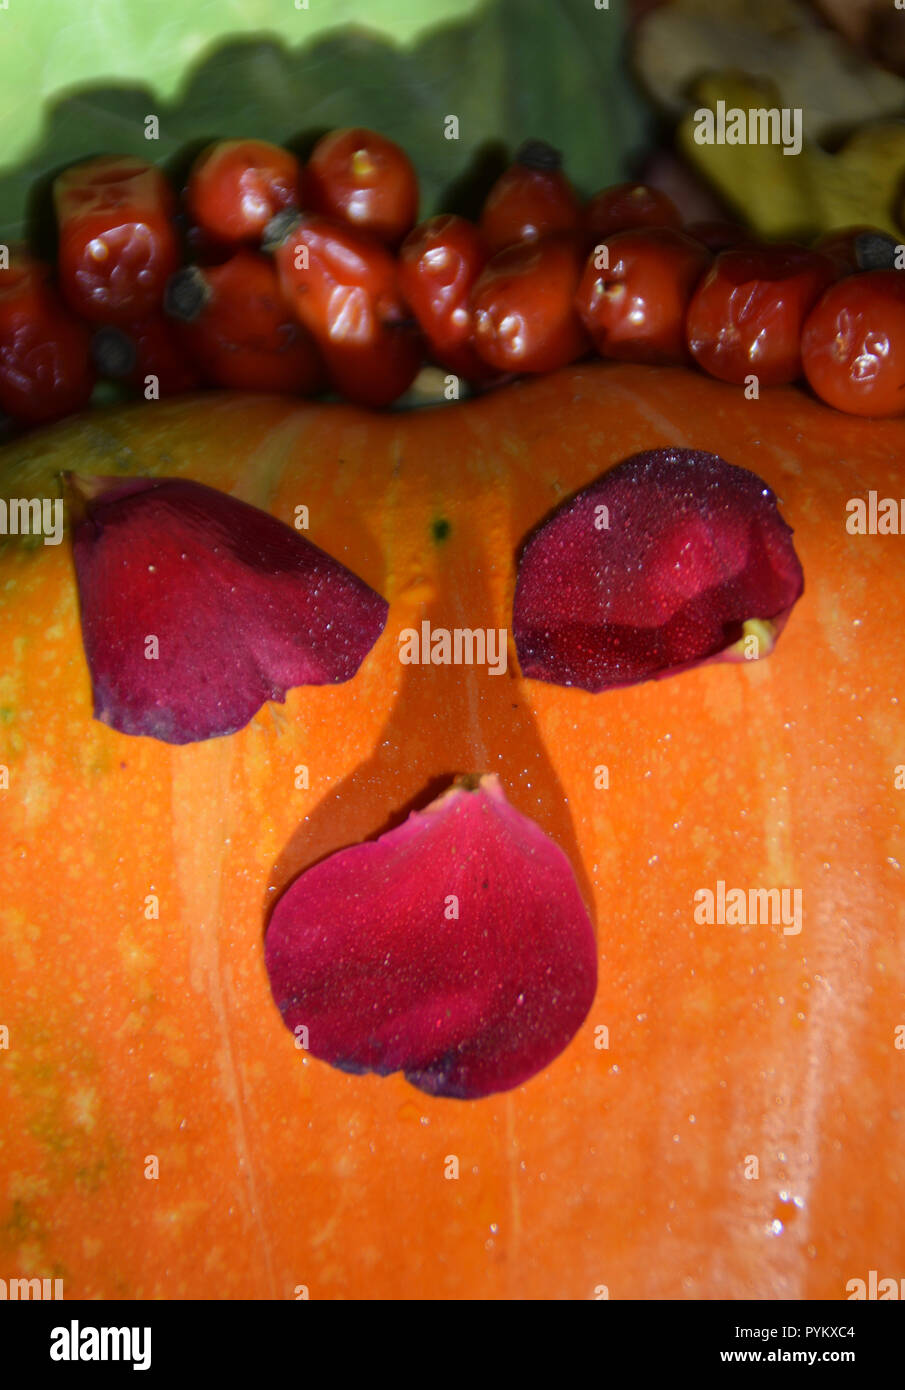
<point>366,952</point>
<point>654,568</point>
<point>242,607</point>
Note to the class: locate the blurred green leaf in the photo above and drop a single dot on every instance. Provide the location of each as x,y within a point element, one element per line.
<point>518,68</point>
<point>48,46</point>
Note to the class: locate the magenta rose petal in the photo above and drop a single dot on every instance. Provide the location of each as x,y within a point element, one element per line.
<point>197,608</point>
<point>667,561</point>
<point>455,948</point>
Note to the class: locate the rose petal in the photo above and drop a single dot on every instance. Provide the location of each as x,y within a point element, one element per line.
<point>364,951</point>
<point>242,607</point>
<point>663,563</point>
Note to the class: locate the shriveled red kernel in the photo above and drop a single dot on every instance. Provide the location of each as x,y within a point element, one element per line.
<point>531,199</point>
<point>628,205</point>
<point>523,306</point>
<point>853,344</point>
<point>45,365</point>
<point>456,948</point>
<point>236,186</point>
<point>857,249</point>
<point>362,178</point>
<point>438,264</point>
<point>377,373</point>
<point>197,608</point>
<point>243,333</point>
<point>118,242</point>
<point>746,314</point>
<point>340,282</point>
<point>667,561</point>
<point>635,308</point>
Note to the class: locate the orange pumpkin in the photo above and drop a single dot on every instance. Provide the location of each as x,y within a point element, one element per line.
<point>630,1165</point>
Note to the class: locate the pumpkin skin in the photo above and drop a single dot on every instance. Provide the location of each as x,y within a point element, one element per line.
<point>621,1167</point>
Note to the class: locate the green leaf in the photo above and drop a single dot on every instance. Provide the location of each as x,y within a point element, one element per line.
<point>47,46</point>
<point>518,68</point>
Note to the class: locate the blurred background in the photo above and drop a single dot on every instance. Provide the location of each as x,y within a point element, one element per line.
<point>614,87</point>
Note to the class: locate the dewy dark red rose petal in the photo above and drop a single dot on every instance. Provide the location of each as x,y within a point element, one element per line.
<point>455,948</point>
<point>197,608</point>
<point>652,569</point>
